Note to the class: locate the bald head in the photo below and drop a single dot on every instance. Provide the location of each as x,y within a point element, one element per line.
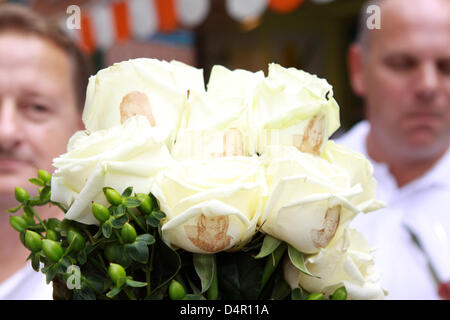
<point>415,13</point>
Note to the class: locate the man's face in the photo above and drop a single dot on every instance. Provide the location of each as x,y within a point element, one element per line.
<point>407,78</point>
<point>38,112</point>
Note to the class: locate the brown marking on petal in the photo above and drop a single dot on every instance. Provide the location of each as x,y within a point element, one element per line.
<point>321,237</point>
<point>313,136</point>
<point>210,233</point>
<point>135,103</point>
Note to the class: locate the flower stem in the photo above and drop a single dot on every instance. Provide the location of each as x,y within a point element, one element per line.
<point>129,293</point>
<point>136,219</point>
<point>116,232</point>
<point>150,267</point>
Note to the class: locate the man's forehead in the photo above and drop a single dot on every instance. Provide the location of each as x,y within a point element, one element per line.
<point>31,63</point>
<point>411,23</point>
<point>425,13</point>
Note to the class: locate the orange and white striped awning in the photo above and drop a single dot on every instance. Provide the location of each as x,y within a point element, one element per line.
<point>104,23</point>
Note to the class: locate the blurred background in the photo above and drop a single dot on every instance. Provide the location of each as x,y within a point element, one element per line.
<point>312,35</point>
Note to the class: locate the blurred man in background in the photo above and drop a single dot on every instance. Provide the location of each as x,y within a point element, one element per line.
<point>402,70</point>
<point>43,78</point>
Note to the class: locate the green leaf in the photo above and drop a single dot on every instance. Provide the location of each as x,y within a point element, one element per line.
<point>146,238</point>
<point>120,210</point>
<point>29,211</point>
<point>82,257</point>
<point>205,265</point>
<point>167,266</point>
<point>35,263</point>
<point>127,192</point>
<point>51,272</point>
<point>135,284</point>
<point>158,214</point>
<point>239,276</point>
<point>122,256</point>
<point>138,251</point>
<point>14,210</point>
<point>115,291</point>
<point>297,294</point>
<point>132,202</point>
<point>270,244</point>
<point>151,221</point>
<point>45,194</point>
<point>107,229</point>
<point>37,182</point>
<point>85,293</point>
<point>118,222</point>
<point>96,280</point>
<point>280,289</point>
<point>298,261</point>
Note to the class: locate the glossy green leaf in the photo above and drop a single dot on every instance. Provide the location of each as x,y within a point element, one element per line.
<point>270,244</point>
<point>132,203</point>
<point>37,182</point>
<point>146,238</point>
<point>107,229</point>
<point>114,292</point>
<point>135,284</point>
<point>239,276</point>
<point>297,294</point>
<point>118,222</point>
<point>298,260</point>
<point>138,251</point>
<point>205,265</point>
<point>127,192</point>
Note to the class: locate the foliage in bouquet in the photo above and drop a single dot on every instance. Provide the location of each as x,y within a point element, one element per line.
<point>124,257</point>
<point>235,192</point>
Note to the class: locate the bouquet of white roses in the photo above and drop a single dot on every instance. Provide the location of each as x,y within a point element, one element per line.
<point>175,191</point>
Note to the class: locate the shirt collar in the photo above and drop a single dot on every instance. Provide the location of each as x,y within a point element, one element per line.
<point>438,175</point>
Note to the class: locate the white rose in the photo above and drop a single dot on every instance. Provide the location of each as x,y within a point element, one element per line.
<point>119,157</point>
<point>312,197</point>
<point>155,89</point>
<point>347,261</point>
<point>294,108</point>
<point>210,205</point>
<point>359,171</point>
<point>216,123</point>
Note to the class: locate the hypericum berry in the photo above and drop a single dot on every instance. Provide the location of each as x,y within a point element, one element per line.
<point>77,239</point>
<point>33,241</point>
<point>51,234</point>
<point>128,233</point>
<point>52,249</point>
<point>116,272</point>
<point>316,296</point>
<point>44,176</point>
<point>339,294</point>
<point>176,290</point>
<point>146,206</point>
<point>112,196</point>
<point>21,194</point>
<point>18,223</point>
<point>110,252</point>
<point>101,213</point>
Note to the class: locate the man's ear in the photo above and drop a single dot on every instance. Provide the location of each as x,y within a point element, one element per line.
<point>356,69</point>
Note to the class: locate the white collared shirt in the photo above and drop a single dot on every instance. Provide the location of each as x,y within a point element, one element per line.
<point>424,206</point>
<point>26,284</point>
